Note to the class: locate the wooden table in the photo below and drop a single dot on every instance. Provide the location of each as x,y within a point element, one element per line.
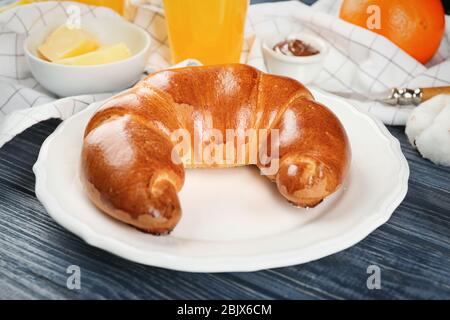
<point>412,249</point>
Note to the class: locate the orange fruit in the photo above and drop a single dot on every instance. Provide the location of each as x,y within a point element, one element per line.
<point>416,26</point>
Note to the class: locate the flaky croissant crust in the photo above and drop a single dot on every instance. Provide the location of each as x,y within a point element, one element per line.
<point>127,161</point>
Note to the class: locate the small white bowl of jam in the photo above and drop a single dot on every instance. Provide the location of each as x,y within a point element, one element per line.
<point>298,56</point>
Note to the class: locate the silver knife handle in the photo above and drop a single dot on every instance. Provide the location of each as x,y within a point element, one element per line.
<point>405,96</point>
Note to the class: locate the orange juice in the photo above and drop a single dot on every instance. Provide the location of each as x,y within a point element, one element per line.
<point>211,31</point>
<point>116,5</point>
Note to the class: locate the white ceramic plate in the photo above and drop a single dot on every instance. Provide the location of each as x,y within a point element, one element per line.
<point>234,219</point>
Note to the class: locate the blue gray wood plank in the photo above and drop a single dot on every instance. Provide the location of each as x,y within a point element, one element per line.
<point>412,249</point>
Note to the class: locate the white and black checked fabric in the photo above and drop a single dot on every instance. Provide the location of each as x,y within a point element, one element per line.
<point>359,60</point>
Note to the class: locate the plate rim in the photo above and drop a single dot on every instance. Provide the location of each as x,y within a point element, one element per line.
<point>227,264</point>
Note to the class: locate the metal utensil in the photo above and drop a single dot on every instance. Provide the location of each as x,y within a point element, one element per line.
<point>399,96</point>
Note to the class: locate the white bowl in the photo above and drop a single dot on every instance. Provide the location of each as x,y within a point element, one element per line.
<point>65,80</point>
<point>304,69</point>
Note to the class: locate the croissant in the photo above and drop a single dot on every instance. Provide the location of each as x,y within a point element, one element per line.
<point>132,173</point>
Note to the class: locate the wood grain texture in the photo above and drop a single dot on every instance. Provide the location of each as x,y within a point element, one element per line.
<point>412,248</point>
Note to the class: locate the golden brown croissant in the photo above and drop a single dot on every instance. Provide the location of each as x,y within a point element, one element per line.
<point>129,166</point>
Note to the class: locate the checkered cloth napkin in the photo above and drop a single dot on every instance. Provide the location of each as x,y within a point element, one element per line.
<point>359,60</point>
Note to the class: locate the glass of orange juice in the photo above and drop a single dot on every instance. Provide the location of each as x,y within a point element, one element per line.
<point>211,31</point>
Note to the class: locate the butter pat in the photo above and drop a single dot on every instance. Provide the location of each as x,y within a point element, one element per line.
<point>105,54</point>
<point>65,43</point>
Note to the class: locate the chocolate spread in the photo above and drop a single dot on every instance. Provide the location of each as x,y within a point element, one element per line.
<point>295,47</point>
